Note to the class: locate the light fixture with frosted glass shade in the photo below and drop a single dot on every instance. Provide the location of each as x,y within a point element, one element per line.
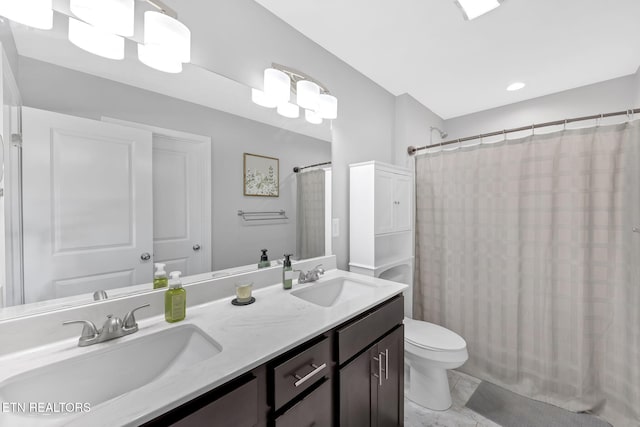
<point>327,106</point>
<point>113,16</point>
<point>168,34</point>
<point>312,117</point>
<point>259,98</point>
<point>95,41</point>
<point>153,56</point>
<point>277,85</point>
<point>33,13</point>
<point>307,94</point>
<point>289,110</point>
<point>472,9</point>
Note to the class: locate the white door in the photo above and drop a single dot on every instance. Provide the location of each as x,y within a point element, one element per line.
<point>384,202</point>
<point>87,201</point>
<point>402,199</point>
<point>182,203</point>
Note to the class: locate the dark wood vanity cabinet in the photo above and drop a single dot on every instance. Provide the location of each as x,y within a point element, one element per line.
<point>350,376</point>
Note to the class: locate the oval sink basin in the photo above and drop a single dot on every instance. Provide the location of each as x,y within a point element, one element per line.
<point>334,291</point>
<point>113,370</point>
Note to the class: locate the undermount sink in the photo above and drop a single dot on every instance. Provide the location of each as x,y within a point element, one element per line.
<point>111,371</point>
<point>334,291</point>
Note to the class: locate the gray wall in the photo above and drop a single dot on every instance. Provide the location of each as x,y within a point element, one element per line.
<point>243,39</point>
<point>54,88</point>
<point>637,101</point>
<point>604,97</point>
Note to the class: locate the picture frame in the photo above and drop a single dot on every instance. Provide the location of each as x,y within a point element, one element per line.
<point>261,175</point>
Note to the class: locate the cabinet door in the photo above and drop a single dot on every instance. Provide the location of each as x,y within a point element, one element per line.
<point>384,202</point>
<point>356,391</point>
<point>313,410</point>
<point>390,354</point>
<point>402,203</point>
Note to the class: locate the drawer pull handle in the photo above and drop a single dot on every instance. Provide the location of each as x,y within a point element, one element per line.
<point>302,380</point>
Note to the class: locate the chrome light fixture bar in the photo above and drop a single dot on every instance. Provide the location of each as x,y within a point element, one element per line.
<point>472,9</point>
<point>280,82</point>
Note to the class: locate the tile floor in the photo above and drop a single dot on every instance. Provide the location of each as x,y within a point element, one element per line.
<point>462,387</point>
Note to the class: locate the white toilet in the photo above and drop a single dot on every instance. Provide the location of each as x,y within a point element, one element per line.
<point>429,350</point>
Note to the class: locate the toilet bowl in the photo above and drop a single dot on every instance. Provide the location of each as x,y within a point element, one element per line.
<point>429,351</point>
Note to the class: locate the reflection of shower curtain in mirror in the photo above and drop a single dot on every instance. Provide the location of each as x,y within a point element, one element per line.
<point>526,250</point>
<point>310,214</point>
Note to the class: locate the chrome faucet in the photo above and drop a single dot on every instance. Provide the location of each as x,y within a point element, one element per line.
<point>113,328</point>
<point>311,275</point>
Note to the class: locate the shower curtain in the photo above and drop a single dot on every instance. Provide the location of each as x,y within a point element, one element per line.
<point>310,214</point>
<point>526,249</point>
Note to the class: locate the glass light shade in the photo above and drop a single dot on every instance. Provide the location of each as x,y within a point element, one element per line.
<point>277,85</point>
<point>171,35</point>
<point>154,57</point>
<point>259,97</point>
<point>312,117</point>
<point>95,40</point>
<point>474,8</point>
<point>327,106</point>
<point>113,16</point>
<point>308,93</point>
<point>289,110</point>
<point>33,13</point>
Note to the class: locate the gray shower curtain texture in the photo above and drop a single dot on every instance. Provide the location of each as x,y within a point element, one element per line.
<point>310,214</point>
<point>526,249</point>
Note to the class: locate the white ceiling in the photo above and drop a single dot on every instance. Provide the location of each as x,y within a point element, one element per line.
<point>456,67</point>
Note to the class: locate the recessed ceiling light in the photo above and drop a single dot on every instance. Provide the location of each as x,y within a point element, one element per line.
<point>471,9</point>
<point>515,86</point>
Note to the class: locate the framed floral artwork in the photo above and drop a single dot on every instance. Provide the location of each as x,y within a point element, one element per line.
<point>261,176</point>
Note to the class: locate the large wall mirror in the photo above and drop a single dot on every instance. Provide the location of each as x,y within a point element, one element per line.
<point>111,166</point>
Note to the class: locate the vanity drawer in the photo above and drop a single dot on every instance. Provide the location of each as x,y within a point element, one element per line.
<point>299,372</point>
<point>314,410</point>
<point>358,335</point>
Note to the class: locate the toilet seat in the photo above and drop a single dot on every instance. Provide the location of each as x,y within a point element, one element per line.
<point>432,337</point>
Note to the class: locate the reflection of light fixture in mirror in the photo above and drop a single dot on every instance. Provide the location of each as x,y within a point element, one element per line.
<point>277,85</point>
<point>312,117</point>
<point>307,94</point>
<point>95,40</point>
<point>113,16</point>
<point>259,97</point>
<point>167,41</point>
<point>33,13</point>
<point>289,110</point>
<point>472,9</point>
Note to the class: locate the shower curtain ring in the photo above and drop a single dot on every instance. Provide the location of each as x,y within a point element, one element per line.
<point>565,124</point>
<point>533,129</point>
<point>504,134</point>
<point>459,144</point>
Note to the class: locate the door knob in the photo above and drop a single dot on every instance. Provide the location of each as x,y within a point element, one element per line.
<point>145,256</point>
<point>196,247</point>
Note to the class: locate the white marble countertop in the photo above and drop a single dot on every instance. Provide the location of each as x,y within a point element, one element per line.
<point>249,335</point>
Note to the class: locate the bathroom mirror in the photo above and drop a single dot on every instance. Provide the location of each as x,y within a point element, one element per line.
<point>121,166</point>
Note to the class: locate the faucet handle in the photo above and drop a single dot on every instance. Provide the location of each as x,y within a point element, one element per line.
<point>88,332</point>
<point>319,268</point>
<point>129,321</point>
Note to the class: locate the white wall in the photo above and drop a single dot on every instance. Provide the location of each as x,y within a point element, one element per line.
<point>235,242</point>
<point>413,123</point>
<point>604,97</point>
<point>637,91</point>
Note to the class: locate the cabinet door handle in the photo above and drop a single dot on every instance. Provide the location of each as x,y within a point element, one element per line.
<point>302,380</point>
<point>386,363</point>
<point>379,374</point>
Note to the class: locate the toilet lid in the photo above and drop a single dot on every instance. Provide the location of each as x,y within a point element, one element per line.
<point>432,337</point>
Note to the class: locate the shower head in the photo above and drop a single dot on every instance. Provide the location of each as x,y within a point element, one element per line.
<point>443,134</point>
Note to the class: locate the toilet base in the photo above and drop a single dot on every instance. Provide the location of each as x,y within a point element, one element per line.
<point>429,387</point>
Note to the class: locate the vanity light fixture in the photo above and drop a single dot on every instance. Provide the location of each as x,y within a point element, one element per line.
<point>472,9</point>
<point>515,86</point>
<point>280,82</point>
<point>33,13</point>
<point>167,42</point>
<point>113,16</point>
<point>95,40</point>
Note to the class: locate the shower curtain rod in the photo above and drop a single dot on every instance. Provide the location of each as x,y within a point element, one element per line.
<point>298,169</point>
<point>412,150</point>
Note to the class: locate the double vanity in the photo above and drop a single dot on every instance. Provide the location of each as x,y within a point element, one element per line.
<point>324,353</point>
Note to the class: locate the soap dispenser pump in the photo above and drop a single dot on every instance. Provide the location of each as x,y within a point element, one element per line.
<point>264,260</point>
<point>160,279</point>
<point>287,272</point>
<point>175,299</point>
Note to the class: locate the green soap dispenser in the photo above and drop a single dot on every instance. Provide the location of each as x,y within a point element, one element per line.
<point>160,279</point>
<point>264,260</point>
<point>175,299</point>
<point>287,272</point>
